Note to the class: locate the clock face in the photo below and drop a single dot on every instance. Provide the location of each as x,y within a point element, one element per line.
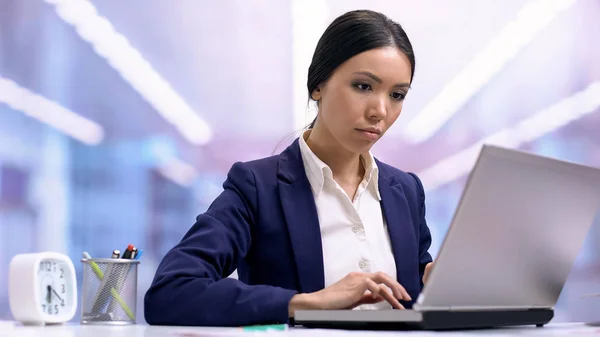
<point>55,288</point>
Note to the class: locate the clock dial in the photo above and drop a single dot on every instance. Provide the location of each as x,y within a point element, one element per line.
<point>55,288</point>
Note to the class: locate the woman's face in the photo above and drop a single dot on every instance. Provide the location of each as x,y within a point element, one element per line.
<point>363,97</point>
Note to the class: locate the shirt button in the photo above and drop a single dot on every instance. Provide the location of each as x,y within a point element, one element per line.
<point>355,229</point>
<point>363,264</point>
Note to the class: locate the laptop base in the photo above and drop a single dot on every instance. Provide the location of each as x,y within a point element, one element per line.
<point>445,320</point>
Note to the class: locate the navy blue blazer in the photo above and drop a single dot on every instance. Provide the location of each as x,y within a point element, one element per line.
<point>265,225</point>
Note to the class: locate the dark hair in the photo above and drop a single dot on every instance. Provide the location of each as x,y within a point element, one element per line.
<point>351,34</point>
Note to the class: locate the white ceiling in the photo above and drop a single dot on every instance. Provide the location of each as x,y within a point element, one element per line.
<point>231,60</point>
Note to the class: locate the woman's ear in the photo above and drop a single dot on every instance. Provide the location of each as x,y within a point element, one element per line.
<point>316,94</point>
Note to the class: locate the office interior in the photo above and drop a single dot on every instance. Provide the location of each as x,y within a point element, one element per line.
<point>119,120</point>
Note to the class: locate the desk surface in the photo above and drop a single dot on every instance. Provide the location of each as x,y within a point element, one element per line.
<point>76,330</point>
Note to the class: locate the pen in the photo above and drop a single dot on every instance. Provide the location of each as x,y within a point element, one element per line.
<point>109,271</point>
<point>277,327</point>
<point>139,254</point>
<point>127,252</point>
<point>134,252</point>
<point>95,267</point>
<point>113,292</point>
<point>120,274</point>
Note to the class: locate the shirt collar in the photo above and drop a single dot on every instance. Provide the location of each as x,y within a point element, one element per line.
<point>317,171</point>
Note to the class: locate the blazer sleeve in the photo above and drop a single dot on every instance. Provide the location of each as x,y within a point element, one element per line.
<point>191,285</point>
<point>424,233</point>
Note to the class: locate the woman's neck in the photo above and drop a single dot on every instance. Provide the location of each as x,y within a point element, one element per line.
<point>345,165</point>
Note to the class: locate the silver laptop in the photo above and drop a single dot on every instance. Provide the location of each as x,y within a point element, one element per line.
<point>516,233</point>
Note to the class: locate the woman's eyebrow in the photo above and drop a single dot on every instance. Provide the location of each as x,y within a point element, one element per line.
<point>379,80</point>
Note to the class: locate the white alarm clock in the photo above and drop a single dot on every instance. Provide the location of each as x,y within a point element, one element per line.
<point>42,288</point>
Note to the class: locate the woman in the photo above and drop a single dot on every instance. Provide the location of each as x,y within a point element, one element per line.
<point>323,225</point>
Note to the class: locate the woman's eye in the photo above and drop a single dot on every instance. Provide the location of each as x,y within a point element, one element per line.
<point>363,87</point>
<point>398,96</point>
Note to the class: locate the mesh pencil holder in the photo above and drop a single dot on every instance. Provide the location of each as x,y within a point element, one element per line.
<point>109,291</point>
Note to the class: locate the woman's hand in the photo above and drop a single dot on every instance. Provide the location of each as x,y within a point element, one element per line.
<point>351,291</point>
<point>428,268</point>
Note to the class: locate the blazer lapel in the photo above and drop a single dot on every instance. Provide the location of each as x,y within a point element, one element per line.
<point>399,223</point>
<point>302,219</point>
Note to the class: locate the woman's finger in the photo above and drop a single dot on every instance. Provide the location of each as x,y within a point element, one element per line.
<point>427,272</point>
<point>396,287</point>
<point>379,290</point>
<point>367,299</point>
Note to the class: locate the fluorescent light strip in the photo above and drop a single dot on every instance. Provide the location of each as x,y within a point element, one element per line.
<point>50,112</point>
<point>178,171</point>
<point>164,158</point>
<point>131,65</point>
<point>530,20</point>
<point>539,124</point>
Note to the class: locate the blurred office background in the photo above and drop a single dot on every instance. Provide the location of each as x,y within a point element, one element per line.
<point>120,119</point>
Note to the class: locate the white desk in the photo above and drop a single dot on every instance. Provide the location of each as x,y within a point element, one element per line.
<point>76,330</point>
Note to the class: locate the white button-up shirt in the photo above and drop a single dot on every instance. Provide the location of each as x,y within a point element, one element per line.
<point>353,232</point>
